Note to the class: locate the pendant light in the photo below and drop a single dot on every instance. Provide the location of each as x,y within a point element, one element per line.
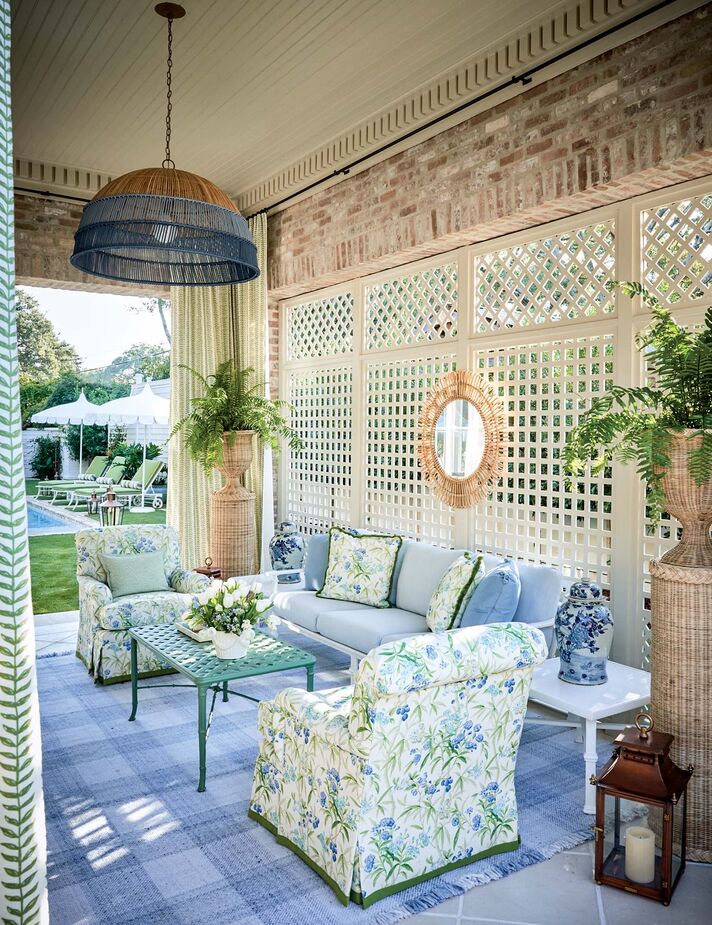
<point>164,226</point>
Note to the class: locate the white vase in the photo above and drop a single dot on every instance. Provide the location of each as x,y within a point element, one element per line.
<point>230,645</point>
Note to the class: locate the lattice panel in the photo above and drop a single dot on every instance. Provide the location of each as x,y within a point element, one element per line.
<point>395,496</point>
<point>533,514</point>
<point>321,328</point>
<point>419,308</point>
<point>319,477</point>
<point>550,280</point>
<point>676,249</point>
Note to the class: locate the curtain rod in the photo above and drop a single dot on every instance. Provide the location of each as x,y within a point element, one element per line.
<point>524,78</point>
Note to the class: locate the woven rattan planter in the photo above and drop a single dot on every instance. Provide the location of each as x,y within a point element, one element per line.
<point>232,520</point>
<point>681,653</point>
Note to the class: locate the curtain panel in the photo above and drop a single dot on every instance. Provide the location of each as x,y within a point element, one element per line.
<point>211,324</point>
<point>23,895</point>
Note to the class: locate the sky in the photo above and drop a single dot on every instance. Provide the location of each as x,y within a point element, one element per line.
<point>98,326</point>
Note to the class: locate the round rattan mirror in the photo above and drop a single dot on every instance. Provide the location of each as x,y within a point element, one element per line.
<point>461,441</point>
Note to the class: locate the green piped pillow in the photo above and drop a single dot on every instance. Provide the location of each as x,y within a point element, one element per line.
<point>453,592</point>
<point>137,574</point>
<point>360,567</point>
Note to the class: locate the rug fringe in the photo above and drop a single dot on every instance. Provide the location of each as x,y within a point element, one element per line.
<point>53,654</point>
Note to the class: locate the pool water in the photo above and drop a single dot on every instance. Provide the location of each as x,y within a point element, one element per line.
<point>43,520</point>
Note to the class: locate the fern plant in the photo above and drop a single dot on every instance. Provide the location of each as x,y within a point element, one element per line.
<point>636,425</point>
<point>228,406</point>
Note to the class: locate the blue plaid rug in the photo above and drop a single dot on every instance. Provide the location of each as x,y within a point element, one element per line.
<point>130,840</point>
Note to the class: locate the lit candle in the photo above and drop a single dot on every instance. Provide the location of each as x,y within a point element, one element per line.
<point>640,854</point>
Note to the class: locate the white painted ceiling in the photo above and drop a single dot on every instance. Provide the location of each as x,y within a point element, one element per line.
<point>257,83</point>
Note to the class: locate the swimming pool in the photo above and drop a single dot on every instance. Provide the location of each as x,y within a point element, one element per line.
<point>41,521</point>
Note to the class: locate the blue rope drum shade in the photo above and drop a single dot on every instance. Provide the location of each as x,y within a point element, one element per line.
<point>164,226</point>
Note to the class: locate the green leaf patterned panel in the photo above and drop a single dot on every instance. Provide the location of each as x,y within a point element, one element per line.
<point>22,836</point>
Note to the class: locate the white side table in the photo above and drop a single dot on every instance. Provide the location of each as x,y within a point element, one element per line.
<point>626,689</point>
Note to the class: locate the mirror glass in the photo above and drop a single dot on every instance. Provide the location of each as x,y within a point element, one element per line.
<point>460,439</point>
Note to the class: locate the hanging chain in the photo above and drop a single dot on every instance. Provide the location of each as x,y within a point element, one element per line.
<point>168,162</point>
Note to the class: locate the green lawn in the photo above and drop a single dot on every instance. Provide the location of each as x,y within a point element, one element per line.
<point>53,563</point>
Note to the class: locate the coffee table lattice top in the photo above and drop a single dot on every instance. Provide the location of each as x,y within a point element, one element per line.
<point>198,661</point>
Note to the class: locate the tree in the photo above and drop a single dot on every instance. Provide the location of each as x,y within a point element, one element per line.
<point>150,360</point>
<point>41,352</point>
<point>162,306</point>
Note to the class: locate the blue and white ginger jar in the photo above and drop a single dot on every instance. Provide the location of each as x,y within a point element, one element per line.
<point>584,630</point>
<point>286,548</point>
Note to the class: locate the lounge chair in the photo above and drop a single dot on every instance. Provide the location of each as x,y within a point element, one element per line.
<point>147,473</point>
<point>128,490</point>
<point>112,476</point>
<point>96,468</point>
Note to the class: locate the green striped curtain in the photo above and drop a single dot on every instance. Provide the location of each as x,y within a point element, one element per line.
<point>23,896</point>
<point>209,325</point>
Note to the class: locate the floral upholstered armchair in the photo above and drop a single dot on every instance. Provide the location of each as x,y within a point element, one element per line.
<point>103,642</point>
<point>410,772</point>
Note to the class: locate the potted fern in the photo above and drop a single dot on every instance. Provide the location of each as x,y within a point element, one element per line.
<point>665,428</point>
<point>219,432</point>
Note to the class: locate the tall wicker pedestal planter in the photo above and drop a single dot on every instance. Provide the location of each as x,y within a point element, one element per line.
<point>232,512</point>
<point>681,653</point>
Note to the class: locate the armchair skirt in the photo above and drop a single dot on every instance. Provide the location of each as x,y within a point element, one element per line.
<point>408,774</point>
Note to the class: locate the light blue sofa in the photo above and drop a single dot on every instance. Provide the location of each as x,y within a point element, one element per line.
<point>358,628</point>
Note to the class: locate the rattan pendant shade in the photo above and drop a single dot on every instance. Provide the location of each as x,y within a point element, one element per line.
<point>164,226</point>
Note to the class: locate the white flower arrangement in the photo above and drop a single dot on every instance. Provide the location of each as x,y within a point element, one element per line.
<point>233,607</point>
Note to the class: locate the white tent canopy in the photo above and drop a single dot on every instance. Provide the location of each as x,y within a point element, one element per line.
<point>81,411</point>
<point>145,408</point>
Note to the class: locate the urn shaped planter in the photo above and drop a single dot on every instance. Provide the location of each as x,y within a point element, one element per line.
<point>584,631</point>
<point>232,520</point>
<point>681,638</point>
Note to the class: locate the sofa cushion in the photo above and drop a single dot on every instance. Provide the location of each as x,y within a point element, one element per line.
<point>364,631</point>
<point>453,592</point>
<point>360,567</point>
<point>304,607</point>
<point>317,559</point>
<point>422,568</point>
<point>541,590</point>
<point>140,609</point>
<point>496,597</point>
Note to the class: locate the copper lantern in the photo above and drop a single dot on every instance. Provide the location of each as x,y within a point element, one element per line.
<point>111,511</point>
<point>641,814</point>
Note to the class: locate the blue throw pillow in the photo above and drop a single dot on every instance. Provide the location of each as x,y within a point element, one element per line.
<point>495,598</point>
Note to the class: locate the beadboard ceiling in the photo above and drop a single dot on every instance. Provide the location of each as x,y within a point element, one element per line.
<point>259,85</point>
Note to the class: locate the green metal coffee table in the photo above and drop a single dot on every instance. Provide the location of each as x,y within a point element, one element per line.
<point>197,662</point>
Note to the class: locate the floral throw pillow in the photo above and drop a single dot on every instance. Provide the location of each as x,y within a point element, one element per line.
<point>453,592</point>
<point>360,567</point>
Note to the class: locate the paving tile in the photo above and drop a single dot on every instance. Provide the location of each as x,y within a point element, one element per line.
<point>690,903</point>
<point>538,895</point>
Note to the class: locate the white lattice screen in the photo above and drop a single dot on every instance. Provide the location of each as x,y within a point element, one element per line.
<point>395,497</point>
<point>676,249</point>
<point>417,308</point>
<point>321,328</point>
<point>549,280</point>
<point>533,315</point>
<point>533,514</point>
<point>319,486</point>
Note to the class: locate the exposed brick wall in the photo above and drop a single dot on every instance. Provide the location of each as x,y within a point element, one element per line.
<point>44,240</point>
<point>634,119</point>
